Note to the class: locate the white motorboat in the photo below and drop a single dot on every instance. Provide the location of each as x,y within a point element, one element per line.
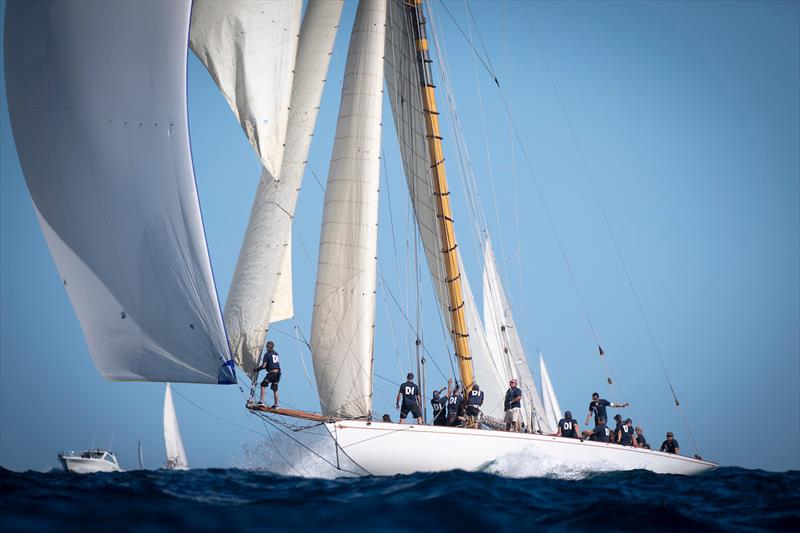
<point>89,462</point>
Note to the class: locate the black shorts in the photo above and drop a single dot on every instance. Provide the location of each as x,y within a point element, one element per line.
<point>452,420</point>
<point>440,419</point>
<point>473,410</point>
<point>413,408</point>
<point>272,379</point>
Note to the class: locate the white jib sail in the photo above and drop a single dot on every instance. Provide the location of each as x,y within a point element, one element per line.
<point>501,331</point>
<point>261,290</point>
<point>249,48</point>
<point>97,100</point>
<point>551,408</point>
<point>342,327</point>
<point>176,455</point>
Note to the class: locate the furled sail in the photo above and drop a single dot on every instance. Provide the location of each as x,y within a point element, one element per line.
<point>261,290</point>
<point>97,99</point>
<point>552,410</point>
<point>403,86</point>
<point>249,47</point>
<point>176,455</point>
<point>504,339</point>
<point>342,328</point>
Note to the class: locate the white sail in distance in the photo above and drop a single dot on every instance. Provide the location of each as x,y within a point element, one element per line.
<point>97,101</point>
<point>176,455</point>
<point>552,409</point>
<point>261,290</point>
<point>343,322</point>
<point>503,336</point>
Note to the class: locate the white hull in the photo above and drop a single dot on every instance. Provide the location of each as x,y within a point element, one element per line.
<point>82,465</point>
<point>389,449</point>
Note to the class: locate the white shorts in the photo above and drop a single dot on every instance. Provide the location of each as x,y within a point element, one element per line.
<point>512,415</point>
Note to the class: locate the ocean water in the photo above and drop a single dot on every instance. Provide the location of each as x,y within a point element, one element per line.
<point>728,499</point>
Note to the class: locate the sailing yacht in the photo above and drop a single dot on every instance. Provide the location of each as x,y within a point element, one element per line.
<point>113,187</point>
<point>176,455</point>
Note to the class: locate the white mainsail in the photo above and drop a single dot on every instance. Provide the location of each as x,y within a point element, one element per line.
<point>501,332</point>
<point>97,100</point>
<point>552,410</point>
<point>261,290</point>
<point>342,328</point>
<point>176,455</point>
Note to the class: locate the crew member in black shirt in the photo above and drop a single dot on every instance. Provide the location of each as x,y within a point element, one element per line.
<point>618,429</point>
<point>670,445</point>
<point>474,402</point>
<point>598,407</point>
<point>455,408</point>
<point>640,440</point>
<point>512,405</point>
<point>627,437</point>
<point>272,363</point>
<point>568,427</point>
<point>439,405</point>
<point>411,400</point>
<point>600,433</point>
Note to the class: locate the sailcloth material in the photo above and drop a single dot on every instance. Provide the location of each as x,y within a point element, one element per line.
<point>97,99</point>
<point>552,409</point>
<point>342,328</point>
<point>261,290</point>
<point>176,455</point>
<point>501,332</point>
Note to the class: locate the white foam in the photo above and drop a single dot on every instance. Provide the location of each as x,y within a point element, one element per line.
<point>531,463</point>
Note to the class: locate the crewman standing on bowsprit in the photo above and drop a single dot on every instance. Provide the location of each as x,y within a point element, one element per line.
<point>272,363</point>
<point>411,400</point>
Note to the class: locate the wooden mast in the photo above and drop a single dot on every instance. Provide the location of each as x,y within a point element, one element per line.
<point>443,211</point>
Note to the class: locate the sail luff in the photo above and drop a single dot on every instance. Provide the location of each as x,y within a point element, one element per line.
<point>176,455</point>
<point>551,407</point>
<point>342,328</point>
<point>97,102</point>
<point>261,290</point>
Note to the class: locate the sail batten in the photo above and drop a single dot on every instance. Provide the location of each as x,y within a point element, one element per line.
<point>102,136</point>
<point>261,290</point>
<point>342,328</point>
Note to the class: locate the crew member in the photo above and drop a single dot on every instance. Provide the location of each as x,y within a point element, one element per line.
<point>568,427</point>
<point>411,400</point>
<point>272,363</point>
<point>386,418</point>
<point>627,436</point>
<point>600,433</point>
<point>598,407</point>
<point>474,402</point>
<point>640,440</point>
<point>439,405</point>
<point>512,405</point>
<point>618,429</point>
<point>455,408</point>
<point>670,445</point>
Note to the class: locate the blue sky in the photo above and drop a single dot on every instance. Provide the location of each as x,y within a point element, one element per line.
<point>688,118</point>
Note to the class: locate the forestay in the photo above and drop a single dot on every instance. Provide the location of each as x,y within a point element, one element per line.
<point>552,410</point>
<point>342,329</point>
<point>261,290</point>
<point>501,332</point>
<point>176,455</point>
<point>97,100</point>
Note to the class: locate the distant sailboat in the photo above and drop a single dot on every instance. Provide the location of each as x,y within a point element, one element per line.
<point>176,455</point>
<point>141,457</point>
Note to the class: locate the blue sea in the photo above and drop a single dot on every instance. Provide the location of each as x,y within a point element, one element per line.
<point>728,499</point>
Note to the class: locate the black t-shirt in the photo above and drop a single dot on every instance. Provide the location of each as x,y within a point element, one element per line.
<point>601,433</point>
<point>670,446</point>
<point>599,409</point>
<point>640,440</point>
<point>626,436</point>
<point>567,426</point>
<point>454,404</point>
<point>617,430</point>
<point>409,391</point>
<point>475,398</point>
<point>510,395</point>
<point>438,405</point>
<point>273,360</point>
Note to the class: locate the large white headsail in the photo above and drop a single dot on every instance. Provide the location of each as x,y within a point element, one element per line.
<point>504,339</point>
<point>403,86</point>
<point>261,290</point>
<point>97,99</point>
<point>342,328</point>
<point>249,47</point>
<point>552,409</point>
<point>176,455</point>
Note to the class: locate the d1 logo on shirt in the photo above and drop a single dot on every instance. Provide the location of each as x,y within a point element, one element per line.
<point>275,358</point>
<point>409,391</point>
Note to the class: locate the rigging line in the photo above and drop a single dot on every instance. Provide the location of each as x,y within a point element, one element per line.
<point>588,175</point>
<point>391,329</point>
<point>486,65</point>
<point>391,216</point>
<point>302,361</point>
<point>308,166</point>
<point>215,416</point>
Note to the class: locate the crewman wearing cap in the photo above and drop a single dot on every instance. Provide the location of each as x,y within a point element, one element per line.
<point>670,445</point>
<point>567,427</point>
